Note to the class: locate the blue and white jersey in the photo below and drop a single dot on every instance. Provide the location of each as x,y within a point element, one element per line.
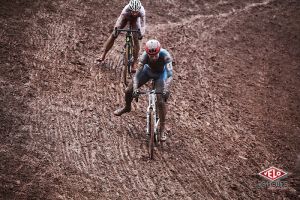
<point>159,65</point>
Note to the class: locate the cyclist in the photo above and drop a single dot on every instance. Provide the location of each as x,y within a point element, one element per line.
<point>155,63</point>
<point>134,14</point>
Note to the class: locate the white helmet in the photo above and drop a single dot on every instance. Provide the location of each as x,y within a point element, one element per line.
<point>135,5</point>
<point>152,47</point>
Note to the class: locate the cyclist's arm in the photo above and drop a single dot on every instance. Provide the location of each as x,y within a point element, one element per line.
<point>143,21</point>
<point>121,19</point>
<point>141,63</point>
<point>169,67</point>
<point>169,75</point>
<point>135,78</point>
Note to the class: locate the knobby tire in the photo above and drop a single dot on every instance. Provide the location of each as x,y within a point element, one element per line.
<point>151,130</point>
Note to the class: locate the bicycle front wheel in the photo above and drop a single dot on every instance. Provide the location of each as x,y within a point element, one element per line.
<point>125,66</point>
<point>151,126</point>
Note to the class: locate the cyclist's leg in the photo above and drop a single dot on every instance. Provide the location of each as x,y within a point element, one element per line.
<point>121,23</point>
<point>142,78</point>
<point>161,103</point>
<point>136,25</point>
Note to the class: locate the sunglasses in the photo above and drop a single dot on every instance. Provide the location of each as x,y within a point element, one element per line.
<point>152,51</point>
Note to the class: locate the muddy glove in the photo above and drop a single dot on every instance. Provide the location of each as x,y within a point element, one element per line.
<point>140,36</point>
<point>166,95</point>
<point>115,32</point>
<point>135,93</point>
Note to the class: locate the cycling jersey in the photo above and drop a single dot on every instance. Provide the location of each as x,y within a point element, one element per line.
<point>158,65</point>
<point>136,21</point>
<point>159,70</point>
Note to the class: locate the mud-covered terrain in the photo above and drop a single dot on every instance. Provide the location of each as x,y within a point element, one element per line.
<point>233,112</point>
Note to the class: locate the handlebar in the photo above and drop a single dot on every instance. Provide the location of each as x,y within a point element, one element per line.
<point>127,30</point>
<point>149,92</point>
<point>146,92</point>
<point>138,31</point>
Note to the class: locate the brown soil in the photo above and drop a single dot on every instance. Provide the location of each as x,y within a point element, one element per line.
<point>234,108</point>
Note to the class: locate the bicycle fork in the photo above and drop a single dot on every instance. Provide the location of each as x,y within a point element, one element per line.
<point>152,108</point>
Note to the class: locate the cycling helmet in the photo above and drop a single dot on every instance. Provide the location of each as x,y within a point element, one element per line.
<point>135,5</point>
<point>152,47</point>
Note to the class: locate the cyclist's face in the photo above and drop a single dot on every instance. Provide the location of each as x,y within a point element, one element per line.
<point>153,57</point>
<point>134,13</point>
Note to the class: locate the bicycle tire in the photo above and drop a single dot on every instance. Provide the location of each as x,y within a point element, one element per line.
<point>126,70</point>
<point>125,66</point>
<point>130,52</point>
<point>151,131</point>
<point>158,133</point>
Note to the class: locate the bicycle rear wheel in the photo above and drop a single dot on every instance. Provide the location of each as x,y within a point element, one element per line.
<point>127,62</point>
<point>152,136</point>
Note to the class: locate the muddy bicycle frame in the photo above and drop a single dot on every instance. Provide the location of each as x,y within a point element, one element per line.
<point>153,120</point>
<point>128,51</point>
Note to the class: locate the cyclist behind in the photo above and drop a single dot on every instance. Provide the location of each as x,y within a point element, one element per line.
<point>134,14</point>
<point>155,63</point>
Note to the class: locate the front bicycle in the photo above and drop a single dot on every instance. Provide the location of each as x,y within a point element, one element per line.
<point>153,121</point>
<point>128,53</point>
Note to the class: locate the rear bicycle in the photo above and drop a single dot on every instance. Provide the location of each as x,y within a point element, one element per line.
<point>126,72</point>
<point>127,60</point>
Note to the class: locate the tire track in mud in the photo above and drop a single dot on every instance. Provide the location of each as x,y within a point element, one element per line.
<point>199,17</point>
<point>74,153</point>
<point>75,117</point>
<point>212,187</point>
<point>122,152</point>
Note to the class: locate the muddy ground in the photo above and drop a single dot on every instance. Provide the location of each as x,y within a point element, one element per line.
<point>233,112</point>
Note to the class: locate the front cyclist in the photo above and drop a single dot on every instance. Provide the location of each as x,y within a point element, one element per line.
<point>155,63</point>
<point>134,14</point>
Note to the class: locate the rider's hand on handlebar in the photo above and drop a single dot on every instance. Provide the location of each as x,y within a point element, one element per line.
<point>136,93</point>
<point>115,33</point>
<point>140,36</point>
<point>166,95</point>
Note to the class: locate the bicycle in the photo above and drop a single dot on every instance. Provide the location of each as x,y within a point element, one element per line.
<point>127,53</point>
<point>152,130</point>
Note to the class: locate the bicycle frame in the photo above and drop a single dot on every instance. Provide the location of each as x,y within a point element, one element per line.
<point>152,120</point>
<point>152,98</point>
<point>129,49</point>
<point>128,52</point>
